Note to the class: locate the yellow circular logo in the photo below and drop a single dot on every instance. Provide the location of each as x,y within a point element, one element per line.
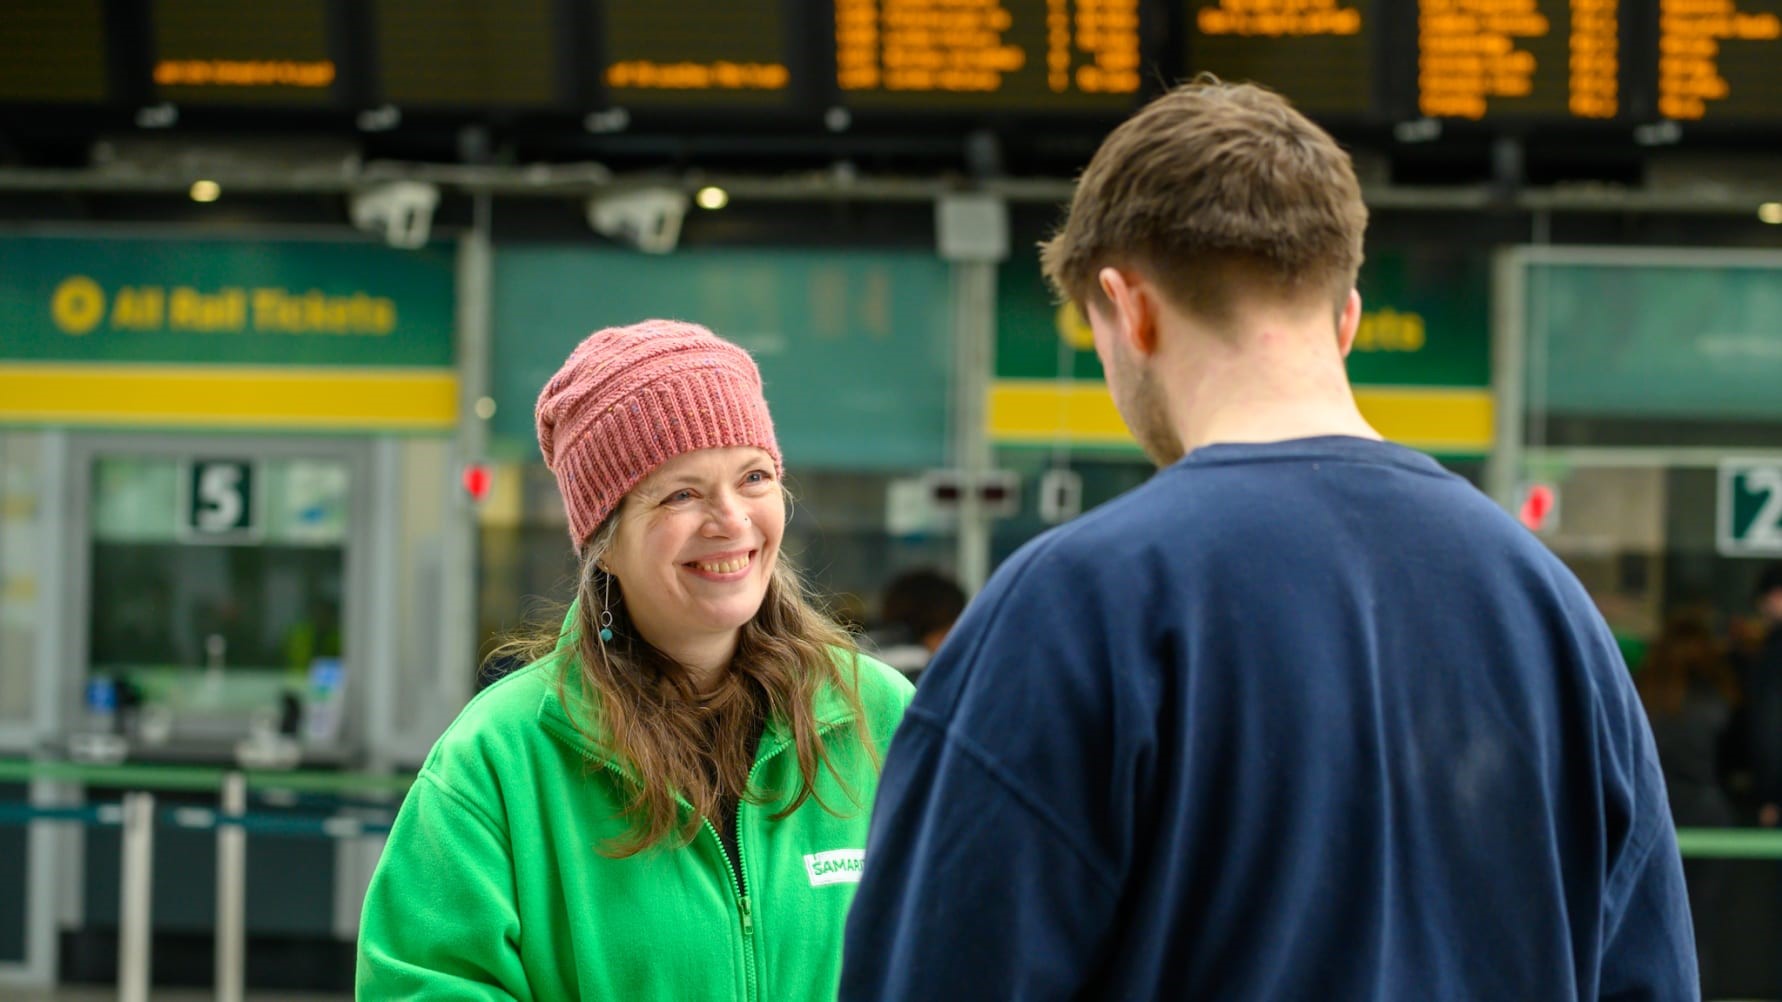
<point>78,305</point>
<point>1073,328</point>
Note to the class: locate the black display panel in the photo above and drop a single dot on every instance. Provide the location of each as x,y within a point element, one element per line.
<point>466,54</point>
<point>1319,53</point>
<point>998,55</point>
<point>1720,60</point>
<point>52,52</point>
<point>696,53</point>
<point>1523,59</point>
<point>225,52</point>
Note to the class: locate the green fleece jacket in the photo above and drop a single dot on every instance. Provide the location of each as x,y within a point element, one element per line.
<point>491,885</point>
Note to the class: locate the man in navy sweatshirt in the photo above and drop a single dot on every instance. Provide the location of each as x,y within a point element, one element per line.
<point>1303,717</point>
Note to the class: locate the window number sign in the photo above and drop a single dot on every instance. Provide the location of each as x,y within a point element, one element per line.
<point>1750,508</point>
<point>220,498</point>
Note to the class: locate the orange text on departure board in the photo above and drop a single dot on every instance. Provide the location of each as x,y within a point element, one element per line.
<point>1467,54</point>
<point>923,45</point>
<point>1593,87</point>
<point>1689,36</point>
<point>1279,18</point>
<point>644,74</point>
<point>243,73</point>
<point>1101,41</point>
<point>963,46</point>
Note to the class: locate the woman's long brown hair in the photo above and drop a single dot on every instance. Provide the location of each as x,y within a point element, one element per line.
<point>640,706</point>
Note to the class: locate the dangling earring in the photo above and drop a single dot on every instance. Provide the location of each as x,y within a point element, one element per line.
<point>606,609</point>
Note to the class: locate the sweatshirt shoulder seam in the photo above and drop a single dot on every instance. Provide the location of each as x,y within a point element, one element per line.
<point>474,809</point>
<point>1017,792</point>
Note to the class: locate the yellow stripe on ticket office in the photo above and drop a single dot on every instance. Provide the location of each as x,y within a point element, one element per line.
<point>1080,412</point>
<point>282,397</point>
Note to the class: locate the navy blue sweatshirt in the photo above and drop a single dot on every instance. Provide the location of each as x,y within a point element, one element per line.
<point>1301,720</point>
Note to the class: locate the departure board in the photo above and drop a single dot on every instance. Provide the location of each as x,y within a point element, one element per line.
<point>466,54</point>
<point>229,52</point>
<point>706,53</point>
<point>52,51</point>
<point>1319,53</point>
<point>1536,58</point>
<point>989,54</point>
<point>1071,66</point>
<point>1720,60</point>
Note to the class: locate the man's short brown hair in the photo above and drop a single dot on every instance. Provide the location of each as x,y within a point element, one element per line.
<point>1221,193</point>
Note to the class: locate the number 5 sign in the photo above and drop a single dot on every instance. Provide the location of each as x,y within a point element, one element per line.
<point>220,498</point>
<point>1750,508</point>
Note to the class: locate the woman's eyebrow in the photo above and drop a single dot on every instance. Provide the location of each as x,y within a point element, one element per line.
<point>661,487</point>
<point>669,485</point>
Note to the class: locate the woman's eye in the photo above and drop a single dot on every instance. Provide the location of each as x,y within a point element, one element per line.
<point>678,496</point>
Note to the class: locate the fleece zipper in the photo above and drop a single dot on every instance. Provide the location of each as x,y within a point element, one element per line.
<point>737,873</point>
<point>745,916</point>
<point>748,921</point>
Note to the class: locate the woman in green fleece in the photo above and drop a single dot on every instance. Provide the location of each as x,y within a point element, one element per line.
<point>671,800</point>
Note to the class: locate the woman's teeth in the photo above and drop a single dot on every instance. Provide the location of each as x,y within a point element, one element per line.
<point>723,567</point>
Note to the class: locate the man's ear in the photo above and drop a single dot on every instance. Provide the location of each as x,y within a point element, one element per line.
<point>1132,306</point>
<point>1348,322</point>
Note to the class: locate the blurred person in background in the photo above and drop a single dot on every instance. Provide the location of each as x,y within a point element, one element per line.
<point>1303,717</point>
<point>671,800</point>
<point>1690,692</point>
<point>1763,693</point>
<point>918,611</point>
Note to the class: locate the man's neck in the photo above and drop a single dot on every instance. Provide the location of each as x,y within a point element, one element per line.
<point>1277,382</point>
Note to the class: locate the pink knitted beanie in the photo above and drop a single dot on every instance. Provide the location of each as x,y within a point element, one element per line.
<point>631,398</point>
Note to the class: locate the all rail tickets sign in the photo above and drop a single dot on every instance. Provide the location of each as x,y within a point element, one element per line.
<point>279,334</point>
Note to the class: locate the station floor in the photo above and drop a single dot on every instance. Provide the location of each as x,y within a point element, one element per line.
<point>93,993</point>
<point>100,993</point>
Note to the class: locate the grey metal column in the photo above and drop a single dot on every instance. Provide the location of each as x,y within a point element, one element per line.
<point>973,234</point>
<point>231,937</point>
<point>382,678</point>
<point>57,683</point>
<point>1509,340</point>
<point>56,850</point>
<point>135,897</point>
<point>458,557</point>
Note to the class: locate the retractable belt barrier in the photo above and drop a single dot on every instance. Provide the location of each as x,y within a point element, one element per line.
<point>370,797</point>
<point>372,817</point>
<point>14,813</point>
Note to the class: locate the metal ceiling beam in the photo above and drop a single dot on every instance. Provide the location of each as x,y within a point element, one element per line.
<point>586,180</point>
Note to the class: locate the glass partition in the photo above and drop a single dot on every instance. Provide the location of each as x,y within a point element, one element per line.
<point>215,593</point>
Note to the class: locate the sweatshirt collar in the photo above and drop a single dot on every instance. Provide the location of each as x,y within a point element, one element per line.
<point>560,720</point>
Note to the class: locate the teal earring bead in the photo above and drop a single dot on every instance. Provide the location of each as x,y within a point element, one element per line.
<point>606,634</point>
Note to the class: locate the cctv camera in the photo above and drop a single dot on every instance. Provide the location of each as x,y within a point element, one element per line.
<point>648,219</point>
<point>399,211</point>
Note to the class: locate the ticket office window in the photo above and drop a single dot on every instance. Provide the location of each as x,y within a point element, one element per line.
<point>217,587</point>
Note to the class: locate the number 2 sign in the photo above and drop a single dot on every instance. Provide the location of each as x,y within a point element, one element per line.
<point>1750,508</point>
